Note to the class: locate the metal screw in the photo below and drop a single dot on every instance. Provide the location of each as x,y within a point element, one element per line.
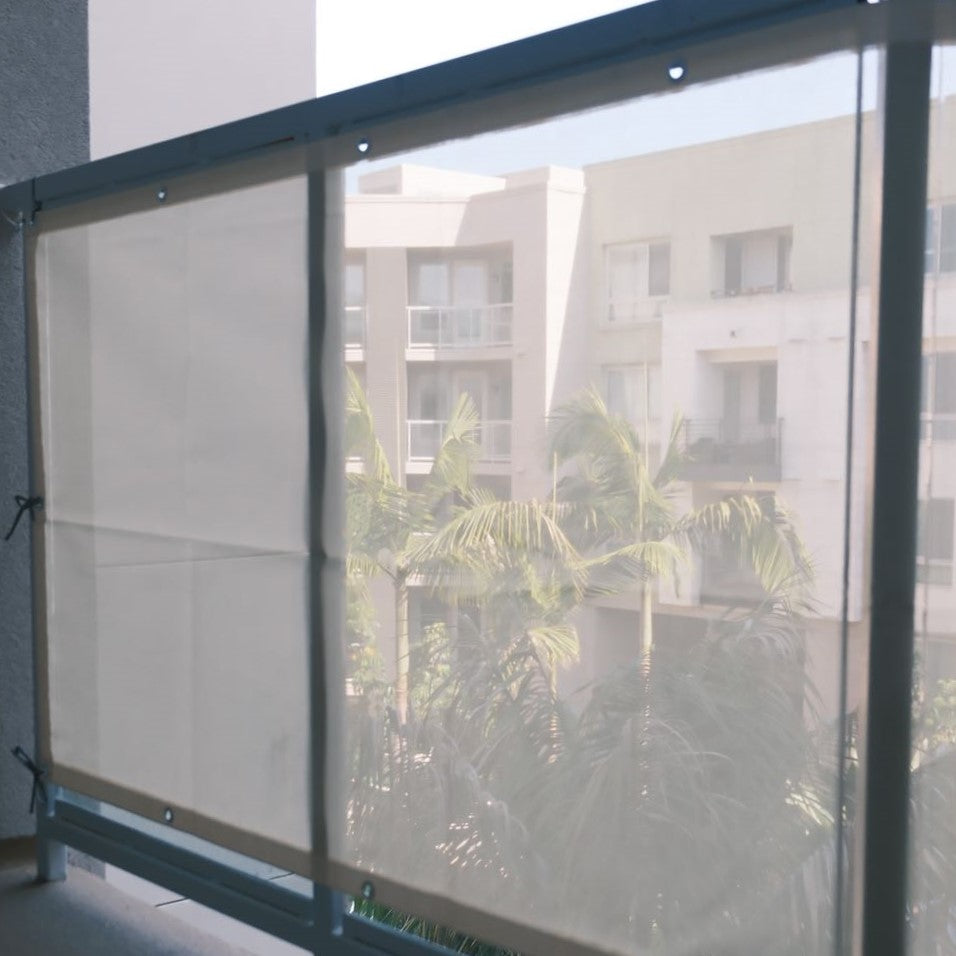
<point>676,71</point>
<point>368,890</point>
<point>363,145</point>
<point>161,194</point>
<point>168,815</point>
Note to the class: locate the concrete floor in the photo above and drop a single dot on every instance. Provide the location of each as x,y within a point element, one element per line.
<point>88,916</point>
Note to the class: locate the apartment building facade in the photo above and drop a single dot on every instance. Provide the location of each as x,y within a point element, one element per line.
<point>707,284</point>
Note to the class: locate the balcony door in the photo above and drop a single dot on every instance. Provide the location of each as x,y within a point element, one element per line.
<point>749,402</point>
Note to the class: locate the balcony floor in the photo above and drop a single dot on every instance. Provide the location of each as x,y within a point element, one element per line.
<point>86,916</point>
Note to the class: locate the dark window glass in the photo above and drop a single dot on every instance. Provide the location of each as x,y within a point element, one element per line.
<point>767,395</point>
<point>934,540</point>
<point>733,257</point>
<point>659,277</point>
<point>947,238</point>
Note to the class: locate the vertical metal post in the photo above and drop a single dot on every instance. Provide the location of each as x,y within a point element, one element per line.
<point>51,854</point>
<point>896,458</point>
<point>325,245</point>
<point>842,907</point>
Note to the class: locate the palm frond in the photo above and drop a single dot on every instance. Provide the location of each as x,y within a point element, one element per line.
<point>496,534</point>
<point>765,541</point>
<point>622,568</point>
<point>451,470</point>
<point>360,439</point>
<point>675,458</point>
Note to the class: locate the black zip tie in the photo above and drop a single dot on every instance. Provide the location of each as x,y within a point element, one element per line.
<point>24,504</point>
<point>39,787</point>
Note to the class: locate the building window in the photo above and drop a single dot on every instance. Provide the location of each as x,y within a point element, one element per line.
<point>744,442</point>
<point>752,262</point>
<point>637,274</point>
<point>938,385</point>
<point>466,278</point>
<point>767,394</point>
<point>634,393</point>
<point>432,395</point>
<point>934,541</point>
<point>355,299</point>
<point>940,250</point>
<point>749,401</point>
<point>460,298</point>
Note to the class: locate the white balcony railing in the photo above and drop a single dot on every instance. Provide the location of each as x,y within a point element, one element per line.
<point>459,326</point>
<point>425,437</point>
<point>354,333</point>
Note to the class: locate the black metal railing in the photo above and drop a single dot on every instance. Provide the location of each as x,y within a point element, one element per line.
<point>722,449</point>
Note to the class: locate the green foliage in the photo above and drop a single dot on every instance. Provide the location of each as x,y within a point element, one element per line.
<point>450,939</point>
<point>706,768</point>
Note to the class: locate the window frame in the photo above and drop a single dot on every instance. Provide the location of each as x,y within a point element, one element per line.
<point>650,300</point>
<point>940,218</point>
<point>936,531</point>
<point>783,251</point>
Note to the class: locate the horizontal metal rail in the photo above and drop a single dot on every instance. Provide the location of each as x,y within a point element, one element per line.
<point>630,35</point>
<point>260,903</point>
<point>251,899</point>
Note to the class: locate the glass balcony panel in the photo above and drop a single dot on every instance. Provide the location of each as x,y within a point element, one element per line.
<point>459,327</point>
<point>492,439</point>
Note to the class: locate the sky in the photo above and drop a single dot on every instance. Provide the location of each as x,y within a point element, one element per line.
<point>366,40</point>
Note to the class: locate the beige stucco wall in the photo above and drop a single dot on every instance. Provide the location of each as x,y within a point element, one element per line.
<point>163,68</point>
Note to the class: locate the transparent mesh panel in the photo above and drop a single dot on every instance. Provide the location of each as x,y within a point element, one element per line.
<point>932,885</point>
<point>595,632</point>
<point>174,435</point>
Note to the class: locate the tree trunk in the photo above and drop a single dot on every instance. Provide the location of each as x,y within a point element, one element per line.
<point>401,645</point>
<point>647,627</point>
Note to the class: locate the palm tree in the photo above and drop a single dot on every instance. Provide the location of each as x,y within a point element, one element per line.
<point>622,515</point>
<point>707,770</point>
<point>385,520</point>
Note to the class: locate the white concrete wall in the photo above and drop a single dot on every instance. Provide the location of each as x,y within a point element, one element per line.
<point>163,68</point>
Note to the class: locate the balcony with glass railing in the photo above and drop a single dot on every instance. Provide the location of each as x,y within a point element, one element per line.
<point>723,450</point>
<point>426,435</point>
<point>459,326</point>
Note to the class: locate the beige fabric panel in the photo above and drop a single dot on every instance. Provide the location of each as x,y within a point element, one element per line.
<point>174,432</point>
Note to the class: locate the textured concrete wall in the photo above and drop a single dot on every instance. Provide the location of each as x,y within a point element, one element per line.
<point>43,126</point>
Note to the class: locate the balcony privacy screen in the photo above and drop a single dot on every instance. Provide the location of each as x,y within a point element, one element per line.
<point>595,679</point>
<point>594,656</point>
<point>173,410</point>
